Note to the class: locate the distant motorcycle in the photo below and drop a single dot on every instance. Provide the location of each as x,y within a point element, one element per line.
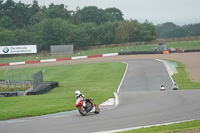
<point>86,105</point>
<point>162,88</point>
<point>175,87</point>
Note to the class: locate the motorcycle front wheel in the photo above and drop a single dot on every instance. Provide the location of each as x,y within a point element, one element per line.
<point>82,112</point>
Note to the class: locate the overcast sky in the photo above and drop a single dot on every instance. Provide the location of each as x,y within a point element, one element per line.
<point>156,11</point>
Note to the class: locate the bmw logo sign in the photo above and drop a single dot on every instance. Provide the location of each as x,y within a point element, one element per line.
<point>5,50</point>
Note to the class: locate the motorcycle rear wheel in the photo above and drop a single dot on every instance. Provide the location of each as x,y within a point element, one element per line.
<point>97,109</point>
<point>82,112</point>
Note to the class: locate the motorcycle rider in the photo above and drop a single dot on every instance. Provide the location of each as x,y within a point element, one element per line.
<point>85,105</point>
<point>175,86</point>
<point>79,97</point>
<point>162,85</point>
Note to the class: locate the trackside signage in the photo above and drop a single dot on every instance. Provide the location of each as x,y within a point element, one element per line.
<point>19,49</point>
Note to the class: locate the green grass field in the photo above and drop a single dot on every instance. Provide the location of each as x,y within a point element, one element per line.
<point>98,80</point>
<point>173,128</point>
<point>184,78</point>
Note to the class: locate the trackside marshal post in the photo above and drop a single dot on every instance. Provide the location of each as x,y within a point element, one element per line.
<point>18,49</point>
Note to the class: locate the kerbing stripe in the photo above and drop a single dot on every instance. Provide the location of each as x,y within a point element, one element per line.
<point>93,56</point>
<point>29,62</point>
<point>5,64</point>
<point>17,63</point>
<point>48,60</point>
<point>111,54</point>
<point>79,57</point>
<point>168,71</point>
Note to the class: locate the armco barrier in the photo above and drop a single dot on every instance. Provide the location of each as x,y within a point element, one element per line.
<point>193,50</point>
<point>44,88</point>
<point>140,52</point>
<point>8,94</point>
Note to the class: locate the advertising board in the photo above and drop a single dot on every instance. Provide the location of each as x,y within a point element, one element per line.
<point>61,49</point>
<point>18,49</point>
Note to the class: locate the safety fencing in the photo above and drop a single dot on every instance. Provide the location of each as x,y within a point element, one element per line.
<point>37,79</point>
<point>15,83</point>
<point>16,80</point>
<point>21,81</point>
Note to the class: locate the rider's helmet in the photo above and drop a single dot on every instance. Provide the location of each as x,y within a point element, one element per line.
<point>77,93</point>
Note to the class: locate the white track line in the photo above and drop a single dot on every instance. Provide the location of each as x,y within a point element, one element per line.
<point>123,77</point>
<point>116,99</point>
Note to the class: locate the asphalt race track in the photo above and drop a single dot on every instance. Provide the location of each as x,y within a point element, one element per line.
<point>141,103</point>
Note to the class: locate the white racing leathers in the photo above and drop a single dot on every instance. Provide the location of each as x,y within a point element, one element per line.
<point>80,97</point>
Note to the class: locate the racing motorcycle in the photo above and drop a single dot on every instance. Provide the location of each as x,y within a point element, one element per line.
<point>175,87</point>
<point>86,105</point>
<point>162,88</point>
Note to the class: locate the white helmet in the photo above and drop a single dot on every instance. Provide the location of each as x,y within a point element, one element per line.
<point>77,93</point>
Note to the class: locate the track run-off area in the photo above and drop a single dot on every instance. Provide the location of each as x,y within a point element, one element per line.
<point>141,103</point>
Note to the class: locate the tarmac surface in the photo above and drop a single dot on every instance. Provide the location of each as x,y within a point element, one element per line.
<point>141,103</point>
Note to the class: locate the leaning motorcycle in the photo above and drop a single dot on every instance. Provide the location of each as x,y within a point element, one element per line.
<point>86,105</point>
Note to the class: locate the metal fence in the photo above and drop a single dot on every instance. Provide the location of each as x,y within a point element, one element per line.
<point>21,79</point>
<point>37,80</point>
<point>15,83</point>
<point>62,49</point>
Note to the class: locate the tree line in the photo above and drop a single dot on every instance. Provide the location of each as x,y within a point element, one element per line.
<point>171,30</point>
<point>25,24</point>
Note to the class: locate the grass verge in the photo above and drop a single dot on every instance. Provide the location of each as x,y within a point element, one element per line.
<point>184,78</point>
<point>98,80</point>
<point>173,128</point>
